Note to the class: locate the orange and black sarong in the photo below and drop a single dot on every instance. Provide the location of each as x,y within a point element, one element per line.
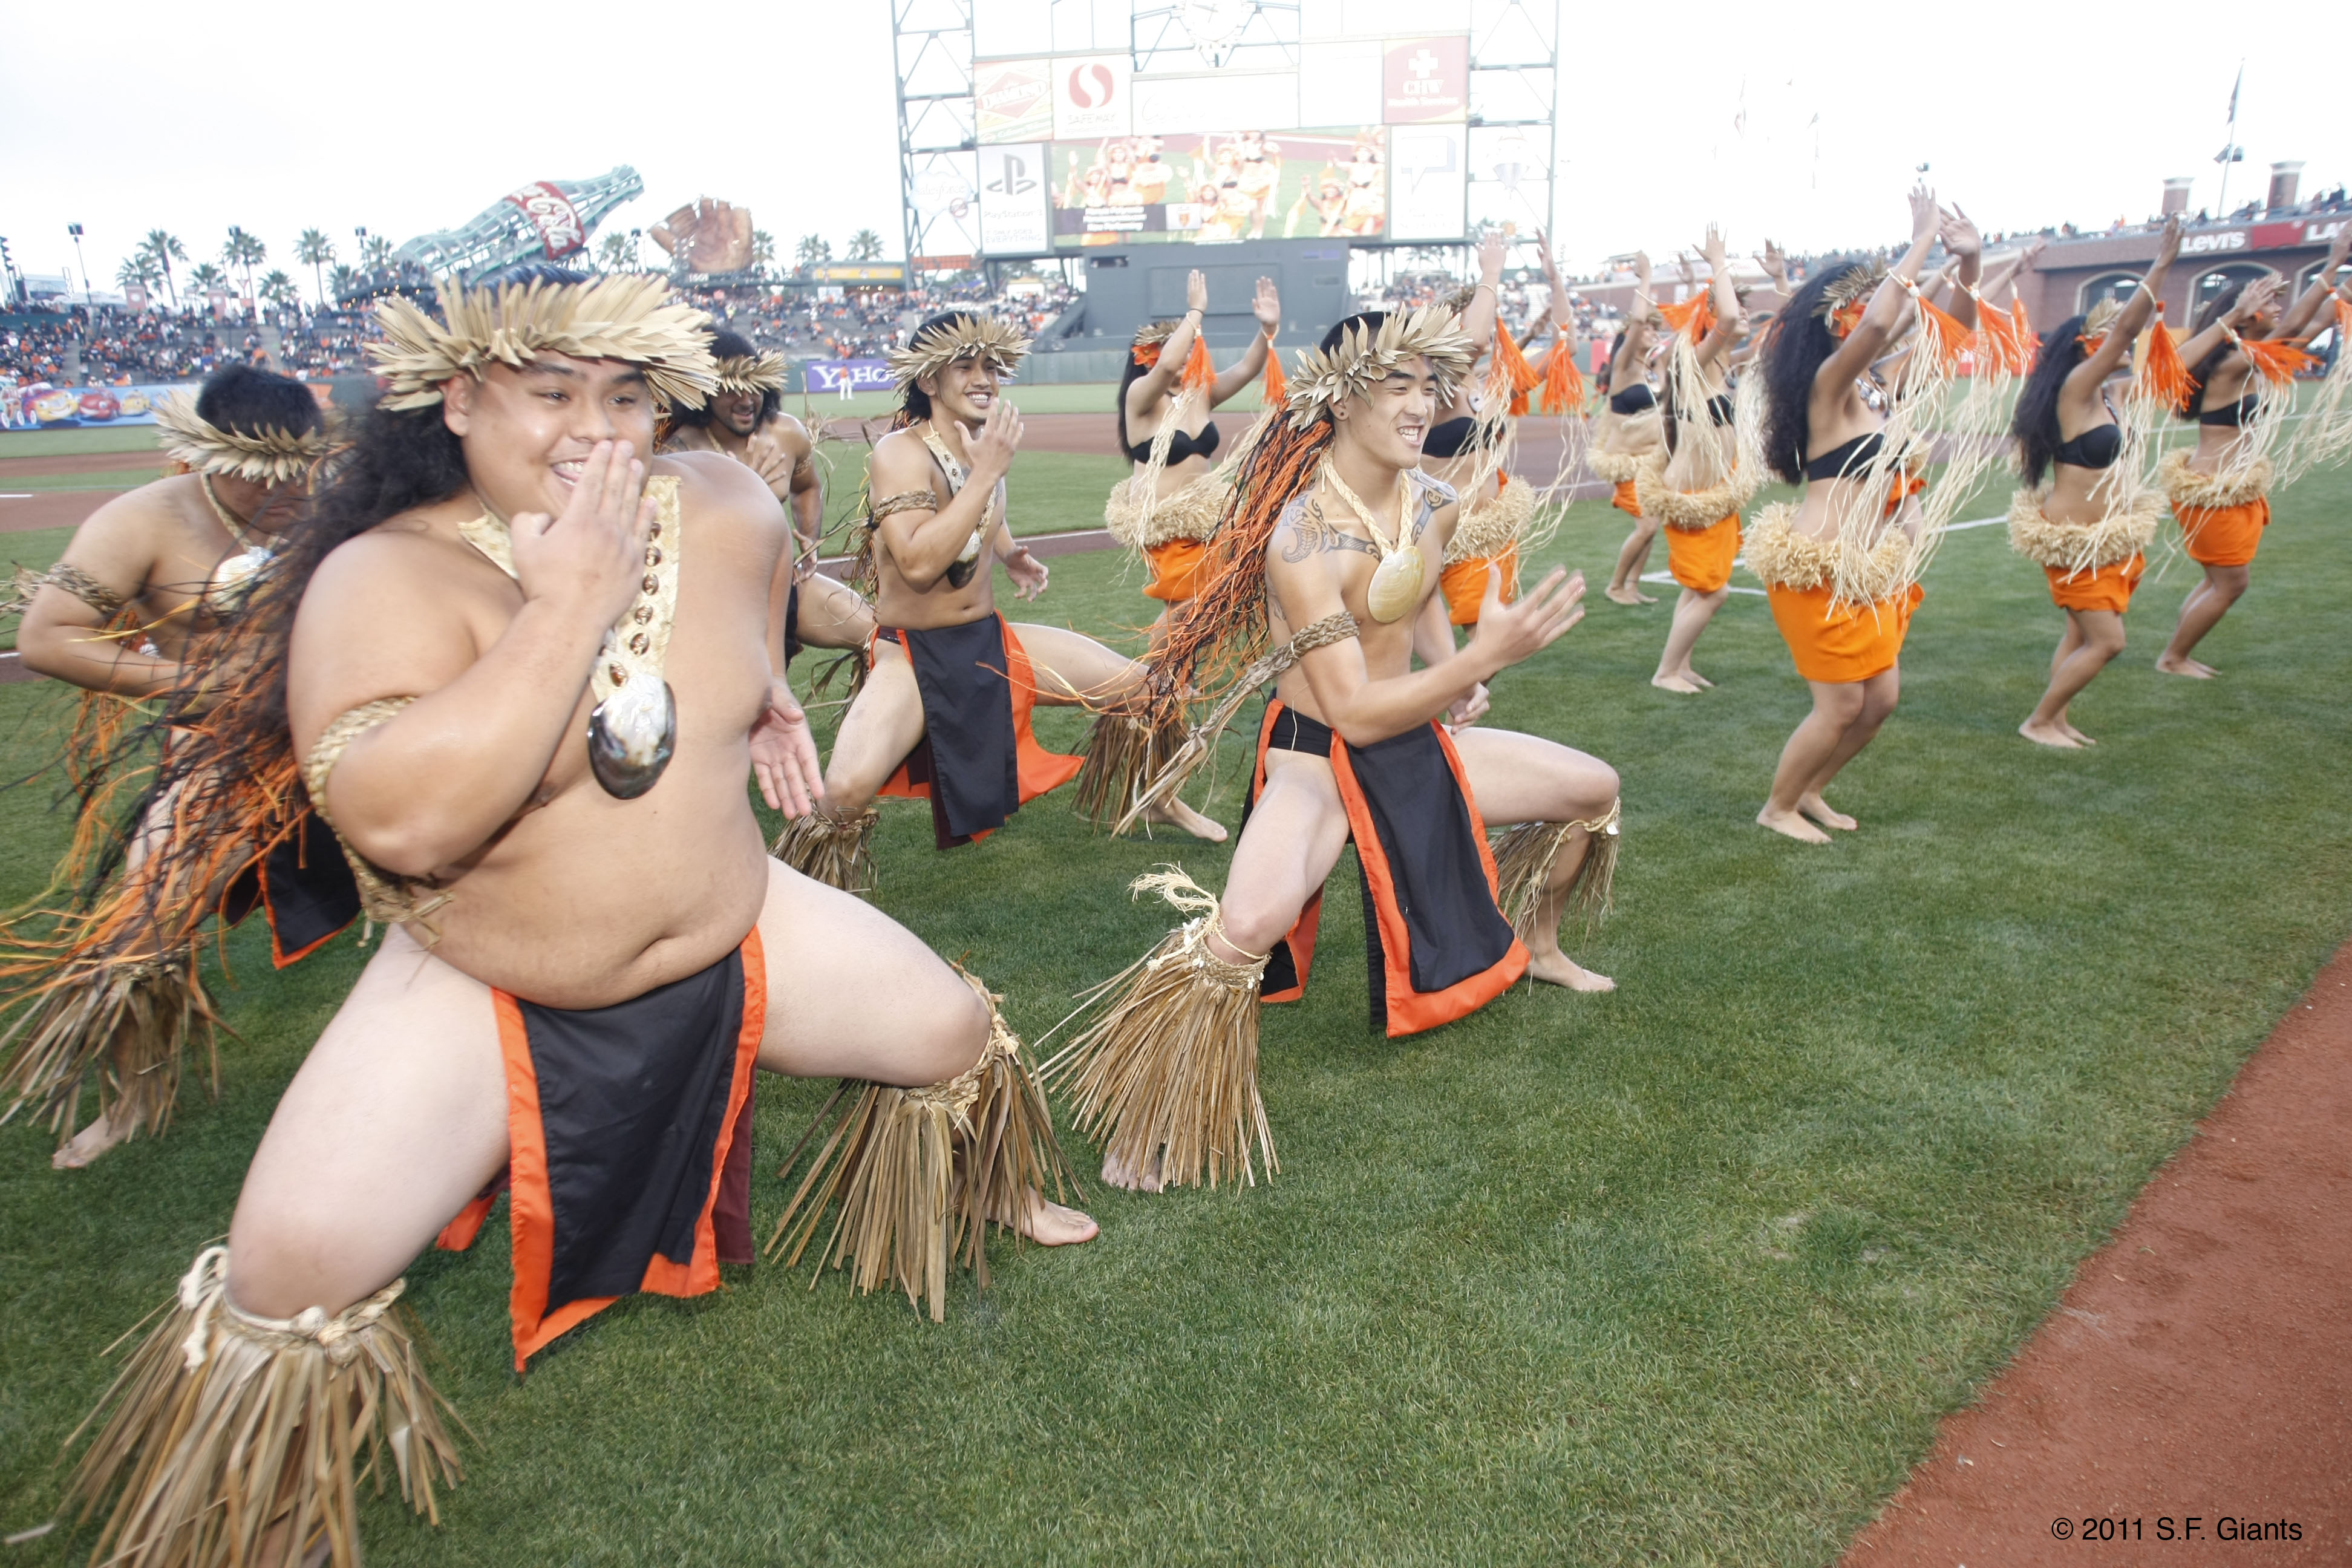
<point>305,887</point>
<point>1437,947</point>
<point>978,761</point>
<point>629,1133</point>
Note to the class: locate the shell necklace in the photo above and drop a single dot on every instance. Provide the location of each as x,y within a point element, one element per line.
<point>1396,583</point>
<point>231,580</point>
<point>967,561</point>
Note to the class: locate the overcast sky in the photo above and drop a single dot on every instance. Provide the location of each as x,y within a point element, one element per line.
<point>278,116</point>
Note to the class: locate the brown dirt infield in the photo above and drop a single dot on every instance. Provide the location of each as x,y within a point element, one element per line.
<point>2200,1366</point>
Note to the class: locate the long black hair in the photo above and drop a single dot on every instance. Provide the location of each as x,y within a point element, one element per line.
<point>2218,305</point>
<point>726,344</point>
<point>2035,424</point>
<point>1802,342</point>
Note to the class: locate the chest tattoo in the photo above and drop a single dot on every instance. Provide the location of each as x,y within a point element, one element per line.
<point>1313,533</point>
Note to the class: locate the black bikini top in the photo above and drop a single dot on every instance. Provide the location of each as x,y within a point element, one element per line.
<point>1181,446</point>
<point>1633,399</point>
<point>1450,437</point>
<point>1840,461</point>
<point>1718,408</point>
<point>2098,448</point>
<point>2235,416</point>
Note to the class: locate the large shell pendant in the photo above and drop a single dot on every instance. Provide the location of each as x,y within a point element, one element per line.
<point>632,734</point>
<point>967,561</point>
<point>1396,585</point>
<point>233,580</point>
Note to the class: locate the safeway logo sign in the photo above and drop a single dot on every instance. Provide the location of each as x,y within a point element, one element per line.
<point>1090,95</point>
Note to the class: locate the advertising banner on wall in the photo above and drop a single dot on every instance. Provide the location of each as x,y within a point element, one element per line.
<point>1091,96</point>
<point>844,376</point>
<point>1426,79</point>
<point>1219,188</point>
<point>1014,201</point>
<point>42,407</point>
<point>1013,100</point>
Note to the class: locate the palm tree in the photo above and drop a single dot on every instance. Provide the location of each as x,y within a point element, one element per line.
<point>244,252</point>
<point>865,246</point>
<point>163,249</point>
<point>811,250</point>
<point>204,278</point>
<point>375,254</point>
<point>316,250</point>
<point>615,254</point>
<point>279,290</point>
<point>346,280</point>
<point>137,271</point>
<point>763,251</point>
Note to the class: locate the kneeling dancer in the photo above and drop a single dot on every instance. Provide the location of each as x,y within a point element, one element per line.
<point>943,713</point>
<point>528,675</point>
<point>1325,581</point>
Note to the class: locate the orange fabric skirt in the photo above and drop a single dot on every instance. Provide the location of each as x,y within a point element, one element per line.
<point>1623,499</point>
<point>1465,585</point>
<point>2224,535</point>
<point>1901,490</point>
<point>1853,643</point>
<point>1175,570</point>
<point>1039,770</point>
<point>2108,588</point>
<point>1700,558</point>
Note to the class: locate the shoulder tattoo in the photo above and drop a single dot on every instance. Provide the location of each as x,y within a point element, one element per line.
<point>1311,533</point>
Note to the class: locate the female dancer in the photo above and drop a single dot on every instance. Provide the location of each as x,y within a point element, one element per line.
<point>1468,448</point>
<point>2221,492</point>
<point>2089,529</point>
<point>1840,566</point>
<point>1168,508</point>
<point>1693,486</point>
<point>1627,431</point>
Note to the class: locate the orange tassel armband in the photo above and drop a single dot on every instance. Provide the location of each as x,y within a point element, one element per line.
<point>1564,388</point>
<point>2163,378</point>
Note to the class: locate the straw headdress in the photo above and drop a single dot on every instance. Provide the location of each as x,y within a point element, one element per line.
<point>269,455</point>
<point>1362,357</point>
<point>966,336</point>
<point>626,317</point>
<point>756,374</point>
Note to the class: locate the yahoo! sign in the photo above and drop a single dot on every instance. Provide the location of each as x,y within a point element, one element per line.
<point>844,376</point>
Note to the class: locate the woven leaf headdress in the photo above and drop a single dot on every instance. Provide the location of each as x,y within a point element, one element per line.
<point>627,317</point>
<point>1000,343</point>
<point>268,457</point>
<point>755,374</point>
<point>1362,358</point>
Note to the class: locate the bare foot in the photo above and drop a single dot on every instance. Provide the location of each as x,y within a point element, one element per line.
<point>1820,811</point>
<point>1183,818</point>
<point>87,1144</point>
<point>1115,1173</point>
<point>1626,595</point>
<point>1558,969</point>
<point>2080,739</point>
<point>2051,736</point>
<point>2187,667</point>
<point>1695,678</point>
<point>1791,825</point>
<point>1674,683</point>
<point>1055,1225</point>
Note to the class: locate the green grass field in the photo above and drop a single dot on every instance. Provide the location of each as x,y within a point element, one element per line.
<point>1683,1274</point>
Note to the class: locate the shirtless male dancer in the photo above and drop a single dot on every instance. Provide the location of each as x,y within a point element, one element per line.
<point>529,676</point>
<point>745,419</point>
<point>1333,551</point>
<point>944,710</point>
<point>142,579</point>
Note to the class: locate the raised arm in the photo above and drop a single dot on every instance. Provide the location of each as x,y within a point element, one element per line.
<point>1967,246</point>
<point>113,553</point>
<point>1729,321</point>
<point>2135,314</point>
<point>440,779</point>
<point>2300,318</point>
<point>2251,301</point>
<point>1875,331</point>
<point>1775,263</point>
<point>1636,346</point>
<point>1267,308</point>
<point>924,542</point>
<point>1478,315</point>
<point>1144,392</point>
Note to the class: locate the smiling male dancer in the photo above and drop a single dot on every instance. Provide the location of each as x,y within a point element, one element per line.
<point>1331,556</point>
<point>944,712</point>
<point>529,676</point>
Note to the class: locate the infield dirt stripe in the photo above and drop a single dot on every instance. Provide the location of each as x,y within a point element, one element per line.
<point>2199,1365</point>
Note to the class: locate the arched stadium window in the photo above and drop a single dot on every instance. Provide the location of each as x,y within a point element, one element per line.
<point>2115,286</point>
<point>2208,287</point>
